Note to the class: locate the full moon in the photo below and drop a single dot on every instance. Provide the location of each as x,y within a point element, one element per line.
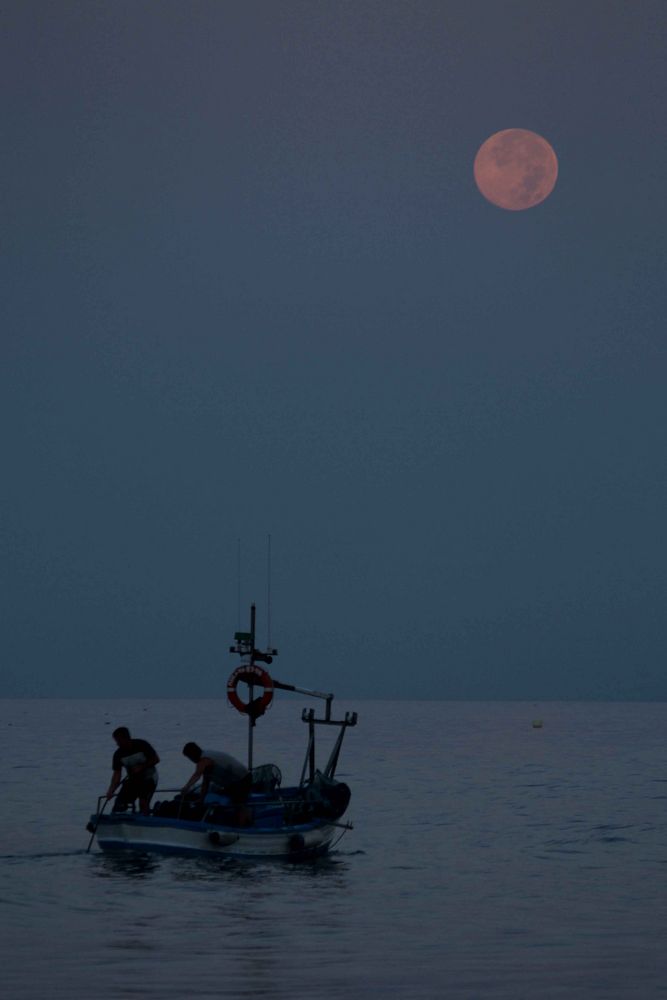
<point>516,169</point>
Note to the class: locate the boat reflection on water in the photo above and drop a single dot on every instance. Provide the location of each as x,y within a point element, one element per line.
<point>127,864</point>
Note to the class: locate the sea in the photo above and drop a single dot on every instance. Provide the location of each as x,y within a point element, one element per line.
<point>490,858</point>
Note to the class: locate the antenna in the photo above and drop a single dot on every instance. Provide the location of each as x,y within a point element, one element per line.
<point>268,592</point>
<point>238,582</point>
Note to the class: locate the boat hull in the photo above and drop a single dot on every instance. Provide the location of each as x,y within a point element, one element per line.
<point>173,836</point>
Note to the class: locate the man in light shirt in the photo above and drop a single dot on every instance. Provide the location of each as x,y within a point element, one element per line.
<point>218,772</point>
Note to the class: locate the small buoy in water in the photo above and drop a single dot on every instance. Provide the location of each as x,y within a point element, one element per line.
<point>537,723</point>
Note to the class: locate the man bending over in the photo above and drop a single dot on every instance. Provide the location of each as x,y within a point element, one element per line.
<point>219,772</point>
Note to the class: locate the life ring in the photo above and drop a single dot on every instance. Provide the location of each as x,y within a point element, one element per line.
<point>254,675</point>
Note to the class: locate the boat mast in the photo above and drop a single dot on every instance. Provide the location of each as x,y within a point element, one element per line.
<point>251,720</point>
<point>252,674</point>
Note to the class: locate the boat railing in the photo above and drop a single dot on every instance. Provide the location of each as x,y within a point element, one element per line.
<point>278,800</point>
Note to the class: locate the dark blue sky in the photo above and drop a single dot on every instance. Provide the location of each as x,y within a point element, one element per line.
<point>249,287</point>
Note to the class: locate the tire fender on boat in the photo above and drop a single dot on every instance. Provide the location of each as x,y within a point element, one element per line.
<point>222,839</point>
<point>254,675</point>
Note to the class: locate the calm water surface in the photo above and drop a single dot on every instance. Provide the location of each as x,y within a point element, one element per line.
<point>489,859</point>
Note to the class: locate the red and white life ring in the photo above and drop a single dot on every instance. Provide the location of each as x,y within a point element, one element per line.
<point>254,675</point>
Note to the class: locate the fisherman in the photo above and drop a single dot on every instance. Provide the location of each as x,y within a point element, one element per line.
<point>139,760</point>
<point>219,773</point>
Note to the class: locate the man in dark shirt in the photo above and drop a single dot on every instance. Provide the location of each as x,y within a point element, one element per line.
<point>139,759</point>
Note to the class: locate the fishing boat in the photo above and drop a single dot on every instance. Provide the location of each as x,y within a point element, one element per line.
<point>290,823</point>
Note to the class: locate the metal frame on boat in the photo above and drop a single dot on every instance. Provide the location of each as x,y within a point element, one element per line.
<point>302,821</point>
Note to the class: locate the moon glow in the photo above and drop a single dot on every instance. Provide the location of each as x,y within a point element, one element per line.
<point>515,169</point>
